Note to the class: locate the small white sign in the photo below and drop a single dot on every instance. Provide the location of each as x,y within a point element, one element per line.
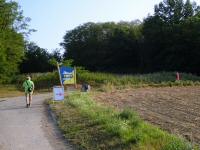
<point>58,92</point>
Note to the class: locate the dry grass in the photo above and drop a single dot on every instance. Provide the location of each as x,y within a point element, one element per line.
<point>13,91</point>
<point>9,91</point>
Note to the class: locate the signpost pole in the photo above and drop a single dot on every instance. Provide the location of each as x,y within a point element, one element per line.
<point>59,74</point>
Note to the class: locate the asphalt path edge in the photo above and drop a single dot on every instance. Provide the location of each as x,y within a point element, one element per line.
<point>54,118</point>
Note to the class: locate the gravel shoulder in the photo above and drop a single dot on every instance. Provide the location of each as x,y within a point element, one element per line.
<point>31,128</point>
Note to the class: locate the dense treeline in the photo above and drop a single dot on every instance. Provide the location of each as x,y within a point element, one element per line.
<point>104,46</point>
<point>168,40</point>
<point>38,59</point>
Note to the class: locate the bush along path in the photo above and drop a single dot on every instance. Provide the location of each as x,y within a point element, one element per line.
<point>31,128</point>
<point>93,126</point>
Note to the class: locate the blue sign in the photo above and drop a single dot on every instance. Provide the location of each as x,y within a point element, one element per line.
<point>68,75</point>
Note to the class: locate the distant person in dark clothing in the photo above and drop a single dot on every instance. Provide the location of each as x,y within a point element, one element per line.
<point>85,87</point>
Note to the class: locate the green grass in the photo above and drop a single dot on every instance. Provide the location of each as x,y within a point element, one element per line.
<point>138,80</point>
<point>93,126</point>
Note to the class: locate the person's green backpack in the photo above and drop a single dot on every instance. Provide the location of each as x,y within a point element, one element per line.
<point>30,88</point>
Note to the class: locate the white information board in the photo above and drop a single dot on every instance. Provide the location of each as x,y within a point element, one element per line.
<point>58,93</point>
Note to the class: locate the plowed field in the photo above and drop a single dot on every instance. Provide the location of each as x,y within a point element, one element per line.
<point>175,109</point>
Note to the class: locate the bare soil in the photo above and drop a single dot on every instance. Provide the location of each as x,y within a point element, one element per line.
<point>175,109</point>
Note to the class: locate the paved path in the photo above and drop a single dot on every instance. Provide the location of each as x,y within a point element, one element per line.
<point>31,128</point>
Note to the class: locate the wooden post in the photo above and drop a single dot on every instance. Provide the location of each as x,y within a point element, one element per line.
<point>58,67</point>
<point>60,77</point>
<point>75,85</point>
<point>177,76</point>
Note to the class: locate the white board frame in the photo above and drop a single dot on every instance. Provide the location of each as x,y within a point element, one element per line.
<point>58,93</point>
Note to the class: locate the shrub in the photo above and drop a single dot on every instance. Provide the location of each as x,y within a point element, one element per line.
<point>154,79</point>
<point>41,80</point>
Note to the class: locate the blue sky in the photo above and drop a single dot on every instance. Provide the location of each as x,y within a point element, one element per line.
<point>52,18</point>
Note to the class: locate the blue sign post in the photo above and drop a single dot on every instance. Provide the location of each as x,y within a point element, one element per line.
<point>68,75</point>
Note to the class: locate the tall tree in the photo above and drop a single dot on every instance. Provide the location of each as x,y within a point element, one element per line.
<point>12,26</point>
<point>188,9</point>
<point>165,35</point>
<point>175,11</point>
<point>36,59</point>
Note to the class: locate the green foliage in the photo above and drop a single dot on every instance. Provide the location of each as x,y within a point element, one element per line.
<point>169,37</point>
<point>168,40</point>
<point>10,54</point>
<point>13,25</point>
<point>46,80</point>
<point>155,79</point>
<point>177,145</point>
<point>53,62</point>
<point>175,11</point>
<point>38,59</point>
<point>56,54</point>
<point>110,82</point>
<point>41,80</point>
<point>68,62</point>
<point>103,46</point>
<point>103,127</point>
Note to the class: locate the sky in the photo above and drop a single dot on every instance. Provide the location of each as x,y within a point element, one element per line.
<point>53,18</point>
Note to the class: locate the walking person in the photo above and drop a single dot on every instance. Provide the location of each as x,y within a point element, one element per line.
<point>28,86</point>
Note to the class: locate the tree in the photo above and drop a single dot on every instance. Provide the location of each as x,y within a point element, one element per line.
<point>168,38</point>
<point>104,46</point>
<point>188,9</point>
<point>36,59</point>
<point>56,55</point>
<point>175,11</point>
<point>190,34</point>
<point>12,23</point>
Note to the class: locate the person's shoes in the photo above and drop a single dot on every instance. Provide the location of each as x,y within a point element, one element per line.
<point>27,105</point>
